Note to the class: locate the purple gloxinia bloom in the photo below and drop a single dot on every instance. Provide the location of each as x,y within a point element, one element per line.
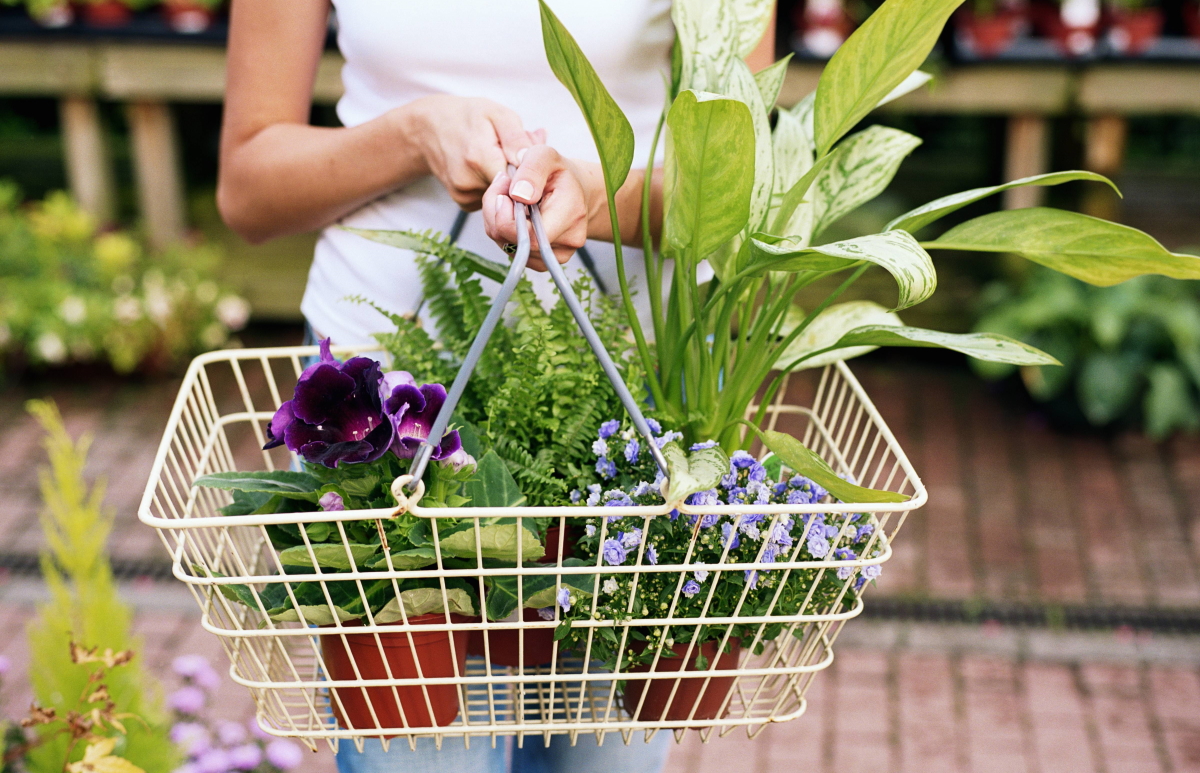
<point>335,414</point>
<point>412,410</point>
<point>331,501</point>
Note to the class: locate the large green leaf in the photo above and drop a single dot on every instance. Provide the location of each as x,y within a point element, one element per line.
<point>1096,251</point>
<point>863,167</point>
<point>695,471</point>
<point>540,590</point>
<point>415,558</point>
<point>329,555</point>
<point>319,614</point>
<point>492,485</point>
<point>916,219</point>
<point>712,139</point>
<point>609,126</point>
<point>499,538</point>
<point>770,81</point>
<point>423,601</point>
<point>435,245</point>
<point>284,483</point>
<point>878,57</point>
<point>806,462</point>
<point>895,251</point>
<point>711,33</point>
<point>992,347</point>
<point>740,84</point>
<point>828,328</point>
<point>792,146</point>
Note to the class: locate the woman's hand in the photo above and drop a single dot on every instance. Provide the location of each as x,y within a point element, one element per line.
<point>466,142</point>
<point>566,192</point>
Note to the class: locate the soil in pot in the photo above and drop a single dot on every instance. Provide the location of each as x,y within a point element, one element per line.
<point>1131,32</point>
<point>704,694</point>
<point>431,649</point>
<point>106,13</point>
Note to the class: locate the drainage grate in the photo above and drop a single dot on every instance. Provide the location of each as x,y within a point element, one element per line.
<point>1078,617</point>
<point>28,565</point>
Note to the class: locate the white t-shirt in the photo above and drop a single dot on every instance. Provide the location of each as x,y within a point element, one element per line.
<point>399,50</point>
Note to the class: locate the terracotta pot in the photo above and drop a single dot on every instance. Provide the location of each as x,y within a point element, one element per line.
<point>1131,32</point>
<point>429,648</point>
<point>1191,19</point>
<point>186,17</point>
<point>106,13</point>
<point>988,36</point>
<point>1073,29</point>
<point>703,693</point>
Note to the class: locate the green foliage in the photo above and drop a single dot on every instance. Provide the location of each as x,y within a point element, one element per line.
<point>717,343</point>
<point>71,294</point>
<point>538,394</point>
<point>84,607</point>
<point>1130,352</point>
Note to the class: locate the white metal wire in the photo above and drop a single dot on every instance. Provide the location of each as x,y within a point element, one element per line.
<point>217,424</point>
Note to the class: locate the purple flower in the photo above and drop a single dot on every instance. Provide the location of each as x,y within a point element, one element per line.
<point>214,760</point>
<point>330,501</point>
<point>751,578</point>
<point>5,665</point>
<point>187,700</point>
<point>609,428</point>
<point>690,588</point>
<point>799,497</point>
<point>705,445</point>
<point>335,414</point>
<point>187,767</point>
<point>700,574</point>
<point>207,678</point>
<point>651,555</point>
<point>412,410</point>
<point>188,666</point>
<point>284,755</point>
<point>617,498</point>
<point>564,599</point>
<point>257,731</point>
<point>605,468</point>
<point>546,613</point>
<point>667,438</point>
<point>590,529</point>
<point>729,537</point>
<point>818,545</point>
<point>575,496</point>
<point>231,733</point>
<point>740,460</point>
<point>871,571</point>
<point>864,532</point>
<point>654,426</point>
<point>613,552</point>
<point>191,737</point>
<point>632,449</point>
<point>844,572</point>
<point>461,458</point>
<point>630,539</point>
<point>247,756</point>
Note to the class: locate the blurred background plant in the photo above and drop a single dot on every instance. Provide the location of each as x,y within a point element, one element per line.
<point>71,294</point>
<point>1130,353</point>
<point>84,607</point>
<point>220,746</point>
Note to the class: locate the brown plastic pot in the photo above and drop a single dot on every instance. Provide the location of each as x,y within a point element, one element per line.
<point>1131,32</point>
<point>186,17</point>
<point>1191,19</point>
<point>106,13</point>
<point>431,649</point>
<point>699,692</point>
<point>989,35</point>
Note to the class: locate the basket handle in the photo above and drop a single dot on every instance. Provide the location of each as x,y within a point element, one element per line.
<point>425,450</point>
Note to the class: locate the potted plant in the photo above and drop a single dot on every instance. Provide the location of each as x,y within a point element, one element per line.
<point>48,13</point>
<point>1133,26</point>
<point>190,17</point>
<point>1073,24</point>
<point>987,28</point>
<point>106,13</point>
<point>822,26</point>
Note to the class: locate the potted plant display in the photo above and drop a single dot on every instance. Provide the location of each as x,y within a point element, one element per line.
<point>1073,24</point>
<point>1133,26</point>
<point>106,13</point>
<point>822,26</point>
<point>679,554</point>
<point>48,13</point>
<point>986,28</point>
<point>190,17</point>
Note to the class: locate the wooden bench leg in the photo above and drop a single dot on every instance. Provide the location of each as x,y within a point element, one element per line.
<point>1027,151</point>
<point>1104,153</point>
<point>157,172</point>
<point>89,165</point>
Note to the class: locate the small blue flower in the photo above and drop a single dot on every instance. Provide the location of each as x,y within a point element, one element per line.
<point>632,449</point>
<point>546,613</point>
<point>575,496</point>
<point>614,554</point>
<point>654,426</point>
<point>590,529</point>
<point>667,438</point>
<point>844,572</point>
<point>729,481</point>
<point>651,555</point>
<point>690,588</point>
<point>770,551</point>
<point>757,473</point>
<point>564,598</point>
<point>605,468</point>
<point>740,460</point>
<point>729,537</point>
<point>780,488</point>
<point>818,545</point>
<point>872,571</point>
<point>642,489</point>
<point>630,539</point>
<point>831,531</point>
<point>609,428</point>
<point>600,447</point>
<point>844,554</point>
<point>799,497</point>
<point>752,578</point>
<point>700,574</point>
<point>703,446</point>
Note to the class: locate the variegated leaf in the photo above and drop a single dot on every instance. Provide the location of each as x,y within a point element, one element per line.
<point>751,18</point>
<point>739,83</point>
<point>707,36</point>
<point>792,147</point>
<point>828,328</point>
<point>914,220</point>
<point>990,347</point>
<point>915,80</point>
<point>895,251</point>
<point>770,81</point>
<point>866,162</point>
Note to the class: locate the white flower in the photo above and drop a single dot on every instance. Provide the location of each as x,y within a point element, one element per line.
<point>600,447</point>
<point>206,292</point>
<point>700,574</point>
<point>73,310</point>
<point>234,312</point>
<point>610,586</point>
<point>126,309</point>
<point>50,348</point>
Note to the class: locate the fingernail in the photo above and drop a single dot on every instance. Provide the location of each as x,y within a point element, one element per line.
<point>523,189</point>
<point>521,154</point>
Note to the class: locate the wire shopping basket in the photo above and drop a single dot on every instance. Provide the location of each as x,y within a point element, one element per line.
<point>392,674</point>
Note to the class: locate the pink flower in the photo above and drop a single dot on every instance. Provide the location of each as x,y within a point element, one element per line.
<point>213,761</point>
<point>257,731</point>
<point>284,755</point>
<point>207,678</point>
<point>188,666</point>
<point>191,737</point>
<point>231,733</point>
<point>5,665</point>
<point>187,700</point>
<point>331,500</point>
<point>245,757</point>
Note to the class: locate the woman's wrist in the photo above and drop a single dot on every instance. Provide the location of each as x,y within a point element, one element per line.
<point>408,126</point>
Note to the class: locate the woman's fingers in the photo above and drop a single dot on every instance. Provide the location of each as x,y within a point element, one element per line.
<point>536,165</point>
<point>510,133</point>
<point>547,179</point>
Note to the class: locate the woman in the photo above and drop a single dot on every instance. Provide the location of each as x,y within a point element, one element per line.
<point>439,98</point>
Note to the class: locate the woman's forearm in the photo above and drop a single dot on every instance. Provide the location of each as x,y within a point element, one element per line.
<point>628,201</point>
<point>290,177</point>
